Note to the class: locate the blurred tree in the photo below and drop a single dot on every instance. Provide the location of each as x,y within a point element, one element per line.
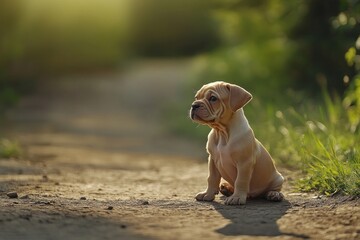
<point>294,43</point>
<point>9,16</point>
<point>40,38</point>
<point>171,28</point>
<point>254,46</point>
<point>64,35</point>
<point>322,35</point>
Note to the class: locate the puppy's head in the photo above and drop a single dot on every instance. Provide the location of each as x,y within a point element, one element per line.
<point>216,102</point>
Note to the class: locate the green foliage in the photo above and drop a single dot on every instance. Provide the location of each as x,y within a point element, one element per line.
<point>350,56</point>
<point>331,167</point>
<point>333,162</point>
<point>8,97</point>
<point>252,55</point>
<point>352,105</point>
<point>11,91</point>
<point>9,149</point>
<point>171,28</point>
<point>327,151</point>
<point>51,36</point>
<point>310,39</point>
<point>321,36</point>
<point>42,38</point>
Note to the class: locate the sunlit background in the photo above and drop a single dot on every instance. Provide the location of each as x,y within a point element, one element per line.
<point>300,60</point>
<point>277,43</point>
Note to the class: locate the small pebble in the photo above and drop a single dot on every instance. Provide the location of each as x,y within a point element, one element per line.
<point>110,208</point>
<point>12,194</point>
<point>123,226</point>
<point>83,198</point>
<point>145,203</point>
<point>24,197</point>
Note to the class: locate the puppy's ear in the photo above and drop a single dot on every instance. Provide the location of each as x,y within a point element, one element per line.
<point>238,97</point>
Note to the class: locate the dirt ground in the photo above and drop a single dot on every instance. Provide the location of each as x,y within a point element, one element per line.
<point>99,165</point>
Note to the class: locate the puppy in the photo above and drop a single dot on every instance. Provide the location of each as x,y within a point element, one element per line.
<point>235,155</point>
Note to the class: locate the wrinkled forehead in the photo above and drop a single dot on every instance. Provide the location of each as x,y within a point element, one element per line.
<point>216,89</point>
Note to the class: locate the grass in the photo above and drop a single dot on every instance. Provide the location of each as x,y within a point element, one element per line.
<point>331,153</point>
<point>331,169</point>
<point>323,142</point>
<point>327,155</point>
<point>9,149</point>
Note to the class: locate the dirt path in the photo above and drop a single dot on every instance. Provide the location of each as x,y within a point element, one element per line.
<point>99,165</point>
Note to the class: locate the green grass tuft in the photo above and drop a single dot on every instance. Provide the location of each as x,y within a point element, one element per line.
<point>327,151</point>
<point>330,167</point>
<point>9,149</point>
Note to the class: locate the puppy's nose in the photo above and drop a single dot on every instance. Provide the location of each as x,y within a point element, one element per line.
<point>195,106</point>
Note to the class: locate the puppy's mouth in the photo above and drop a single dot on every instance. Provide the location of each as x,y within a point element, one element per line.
<point>197,118</point>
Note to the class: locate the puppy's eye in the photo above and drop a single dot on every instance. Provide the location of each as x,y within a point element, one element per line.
<point>213,99</point>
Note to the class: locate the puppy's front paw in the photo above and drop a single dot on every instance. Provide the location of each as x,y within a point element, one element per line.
<point>238,199</point>
<point>274,196</point>
<point>205,196</point>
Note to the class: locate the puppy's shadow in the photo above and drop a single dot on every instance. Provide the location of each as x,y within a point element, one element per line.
<point>257,218</point>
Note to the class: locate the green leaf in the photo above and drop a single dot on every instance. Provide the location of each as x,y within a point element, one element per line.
<point>350,56</point>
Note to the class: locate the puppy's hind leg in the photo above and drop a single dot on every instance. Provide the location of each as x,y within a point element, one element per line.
<point>226,189</point>
<point>274,196</point>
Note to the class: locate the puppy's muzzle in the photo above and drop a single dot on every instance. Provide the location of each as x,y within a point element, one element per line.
<point>194,107</point>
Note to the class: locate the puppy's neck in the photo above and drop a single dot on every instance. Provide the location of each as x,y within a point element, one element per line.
<point>220,130</point>
<point>227,123</point>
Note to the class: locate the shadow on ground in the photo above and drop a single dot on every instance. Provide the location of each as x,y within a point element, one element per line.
<point>257,218</point>
<point>61,219</point>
